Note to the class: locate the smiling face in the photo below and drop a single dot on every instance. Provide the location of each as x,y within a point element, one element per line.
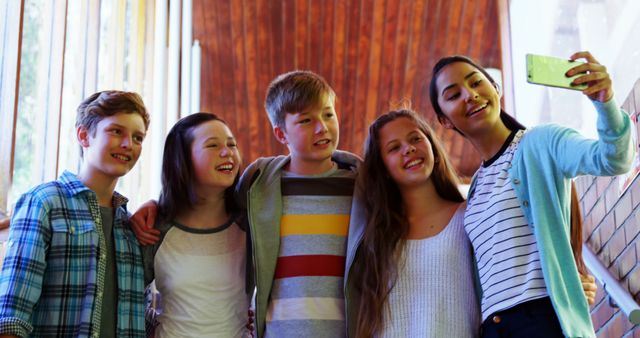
<point>467,98</point>
<point>215,155</point>
<point>312,136</point>
<point>115,145</point>
<point>406,152</point>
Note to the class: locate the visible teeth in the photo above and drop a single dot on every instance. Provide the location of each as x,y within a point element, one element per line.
<point>322,142</point>
<point>479,109</point>
<point>225,167</point>
<point>413,163</point>
<point>121,157</point>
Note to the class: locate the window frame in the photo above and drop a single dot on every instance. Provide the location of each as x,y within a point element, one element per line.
<point>63,85</point>
<point>9,77</point>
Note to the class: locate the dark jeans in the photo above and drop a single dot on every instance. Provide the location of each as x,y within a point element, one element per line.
<point>532,319</point>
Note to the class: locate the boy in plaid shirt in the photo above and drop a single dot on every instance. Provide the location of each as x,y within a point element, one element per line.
<point>73,267</point>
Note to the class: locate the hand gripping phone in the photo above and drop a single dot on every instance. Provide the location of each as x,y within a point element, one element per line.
<point>550,71</point>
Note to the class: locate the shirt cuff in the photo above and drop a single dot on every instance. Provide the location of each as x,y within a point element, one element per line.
<point>15,326</point>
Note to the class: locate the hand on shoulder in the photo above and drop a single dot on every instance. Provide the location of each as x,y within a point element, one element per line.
<point>142,222</point>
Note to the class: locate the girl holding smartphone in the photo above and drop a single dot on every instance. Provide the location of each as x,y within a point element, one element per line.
<point>518,210</point>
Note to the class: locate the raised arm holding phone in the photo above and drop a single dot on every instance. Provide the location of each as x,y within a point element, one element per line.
<point>519,214</point>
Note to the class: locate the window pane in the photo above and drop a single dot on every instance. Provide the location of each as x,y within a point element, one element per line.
<point>27,171</point>
<point>105,48</point>
<point>39,94</point>
<point>609,29</point>
<point>74,82</point>
<point>4,7</point>
<point>9,39</point>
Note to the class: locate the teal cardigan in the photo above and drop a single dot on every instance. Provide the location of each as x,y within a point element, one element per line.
<point>546,160</point>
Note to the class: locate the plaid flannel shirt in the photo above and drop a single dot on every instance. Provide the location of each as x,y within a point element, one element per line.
<point>54,268</point>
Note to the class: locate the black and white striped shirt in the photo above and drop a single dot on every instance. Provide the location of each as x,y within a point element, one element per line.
<point>504,244</point>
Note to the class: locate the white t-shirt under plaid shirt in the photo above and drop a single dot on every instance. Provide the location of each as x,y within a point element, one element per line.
<point>504,244</point>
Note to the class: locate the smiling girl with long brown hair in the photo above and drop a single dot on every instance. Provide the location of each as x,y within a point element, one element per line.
<point>412,274</point>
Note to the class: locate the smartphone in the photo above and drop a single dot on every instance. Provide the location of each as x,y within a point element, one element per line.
<point>550,71</point>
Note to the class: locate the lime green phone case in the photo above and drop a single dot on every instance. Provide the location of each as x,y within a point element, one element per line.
<point>550,71</point>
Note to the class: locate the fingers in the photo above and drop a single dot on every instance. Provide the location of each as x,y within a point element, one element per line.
<point>597,79</point>
<point>596,82</point>
<point>149,209</point>
<point>587,68</point>
<point>249,325</point>
<point>590,288</point>
<point>583,55</point>
<point>588,283</point>
<point>137,221</point>
<point>148,238</point>
<point>250,320</point>
<point>587,278</point>
<point>591,298</point>
<point>596,88</point>
<point>142,223</point>
<point>592,77</point>
<point>144,234</point>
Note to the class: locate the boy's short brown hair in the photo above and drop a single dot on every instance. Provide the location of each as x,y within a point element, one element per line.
<point>108,103</point>
<point>293,92</point>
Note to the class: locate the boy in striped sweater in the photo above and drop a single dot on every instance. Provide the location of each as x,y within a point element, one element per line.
<point>299,213</point>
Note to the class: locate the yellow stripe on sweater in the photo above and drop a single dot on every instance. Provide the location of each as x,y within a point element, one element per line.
<point>314,225</point>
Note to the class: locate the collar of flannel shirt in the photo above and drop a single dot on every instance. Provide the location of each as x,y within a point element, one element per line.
<point>73,186</point>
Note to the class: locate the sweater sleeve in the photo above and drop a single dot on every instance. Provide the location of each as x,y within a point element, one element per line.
<point>148,256</point>
<point>611,154</point>
<point>244,183</point>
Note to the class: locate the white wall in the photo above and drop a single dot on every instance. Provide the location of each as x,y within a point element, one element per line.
<point>609,29</point>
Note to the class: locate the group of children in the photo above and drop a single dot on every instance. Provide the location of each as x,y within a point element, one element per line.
<point>333,246</point>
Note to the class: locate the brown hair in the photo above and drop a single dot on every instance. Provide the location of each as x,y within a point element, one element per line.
<point>387,226</point>
<point>294,92</point>
<point>108,103</point>
<point>576,231</point>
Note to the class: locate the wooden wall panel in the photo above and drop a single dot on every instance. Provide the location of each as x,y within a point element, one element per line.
<point>374,53</point>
